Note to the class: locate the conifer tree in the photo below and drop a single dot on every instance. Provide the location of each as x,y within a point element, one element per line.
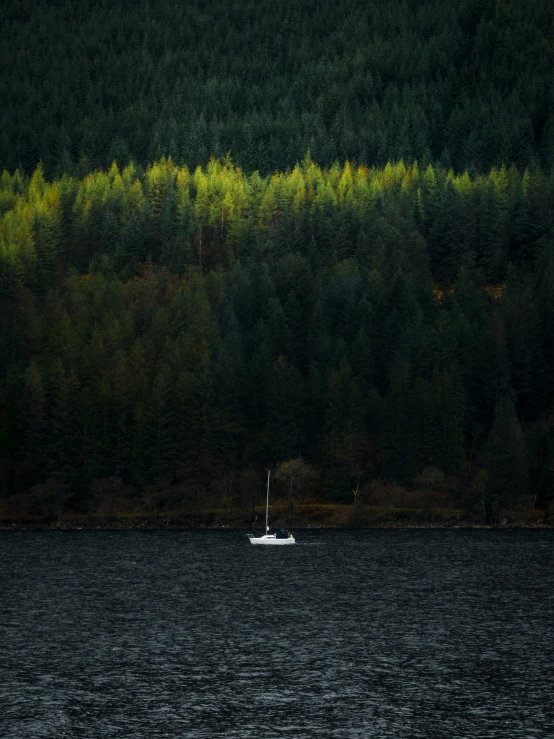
<point>65,454</point>
<point>33,425</point>
<point>506,459</point>
<point>159,434</point>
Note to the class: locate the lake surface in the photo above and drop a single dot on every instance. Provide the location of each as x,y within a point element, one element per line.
<point>347,634</point>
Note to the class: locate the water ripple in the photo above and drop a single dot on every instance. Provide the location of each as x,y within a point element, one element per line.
<point>198,634</point>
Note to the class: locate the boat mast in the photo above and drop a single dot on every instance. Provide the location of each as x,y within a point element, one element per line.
<point>267,505</point>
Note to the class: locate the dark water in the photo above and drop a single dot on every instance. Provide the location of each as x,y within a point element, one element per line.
<point>199,634</point>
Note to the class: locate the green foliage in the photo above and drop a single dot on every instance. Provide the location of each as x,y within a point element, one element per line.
<point>506,457</point>
<point>165,331</point>
<point>295,474</point>
<point>465,83</point>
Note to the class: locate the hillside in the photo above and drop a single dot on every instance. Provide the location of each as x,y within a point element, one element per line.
<point>467,84</point>
<point>167,334</point>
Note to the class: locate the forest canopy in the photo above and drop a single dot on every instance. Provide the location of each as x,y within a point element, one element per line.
<point>467,84</point>
<point>174,329</point>
<point>238,234</point>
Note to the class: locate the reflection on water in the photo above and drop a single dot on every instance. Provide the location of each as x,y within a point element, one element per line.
<point>348,634</point>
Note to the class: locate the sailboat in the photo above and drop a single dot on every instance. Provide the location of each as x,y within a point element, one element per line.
<point>280,538</point>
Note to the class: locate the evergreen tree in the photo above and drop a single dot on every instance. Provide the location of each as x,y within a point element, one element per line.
<point>506,459</point>
<point>159,428</point>
<point>34,429</point>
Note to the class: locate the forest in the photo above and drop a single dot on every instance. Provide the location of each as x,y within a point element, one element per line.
<point>467,83</point>
<point>242,235</point>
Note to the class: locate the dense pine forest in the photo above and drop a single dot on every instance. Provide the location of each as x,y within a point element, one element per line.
<point>239,235</point>
<point>467,83</point>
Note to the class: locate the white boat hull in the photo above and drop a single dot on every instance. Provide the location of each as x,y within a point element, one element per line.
<point>270,539</point>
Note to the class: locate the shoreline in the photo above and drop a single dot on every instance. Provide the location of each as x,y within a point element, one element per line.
<point>315,517</point>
